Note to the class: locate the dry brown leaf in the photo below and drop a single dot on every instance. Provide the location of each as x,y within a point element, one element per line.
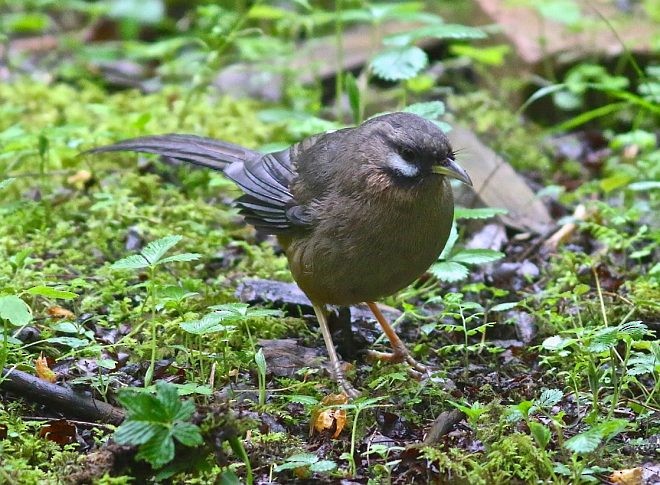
<point>630,476</point>
<point>43,371</point>
<point>330,419</point>
<point>59,312</point>
<point>60,431</point>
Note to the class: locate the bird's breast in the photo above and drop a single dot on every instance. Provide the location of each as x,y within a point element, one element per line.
<point>372,244</point>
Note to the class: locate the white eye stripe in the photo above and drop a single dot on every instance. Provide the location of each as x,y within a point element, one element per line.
<point>398,164</point>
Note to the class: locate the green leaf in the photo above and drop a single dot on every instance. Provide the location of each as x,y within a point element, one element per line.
<point>6,183</point>
<point>15,310</point>
<point>260,360</point>
<point>451,242</point>
<point>187,434</point>
<point>431,110</point>
<point>478,213</point>
<point>540,433</point>
<point>50,292</point>
<point>136,432</point>
<point>207,324</point>
<point>449,271</point>
<point>548,398</point>
<point>439,31</point>
<point>636,329</point>
<point>477,256</point>
<point>399,64</point>
<point>353,92</point>
<point>301,399</point>
<point>157,249</point>
<point>179,258</point>
<point>153,421</point>
<point>584,442</point>
<point>135,261</point>
<point>604,339</point>
<point>502,307</point>
<point>72,342</point>
<point>159,450</point>
<point>323,466</point>
<point>489,56</point>
<point>305,458</point>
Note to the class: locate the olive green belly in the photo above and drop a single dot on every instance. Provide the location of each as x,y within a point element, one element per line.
<point>370,254</point>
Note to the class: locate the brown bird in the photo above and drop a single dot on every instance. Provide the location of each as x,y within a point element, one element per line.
<point>360,212</point>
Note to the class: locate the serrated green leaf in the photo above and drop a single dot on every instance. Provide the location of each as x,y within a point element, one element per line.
<point>15,310</point>
<point>449,271</point>
<point>139,404</point>
<point>167,397</point>
<point>134,261</point>
<point>136,432</point>
<point>50,292</point>
<point>477,256</point>
<point>207,324</point>
<point>159,450</point>
<point>548,398</point>
<point>187,434</point>
<point>399,64</point>
<point>155,250</point>
<point>477,213</point>
<point>636,329</point>
<point>431,110</point>
<point>439,31</point>
<point>604,339</point>
<point>584,442</point>
<point>179,258</point>
<point>323,466</point>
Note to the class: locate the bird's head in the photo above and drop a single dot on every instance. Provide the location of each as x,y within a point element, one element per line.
<point>413,148</point>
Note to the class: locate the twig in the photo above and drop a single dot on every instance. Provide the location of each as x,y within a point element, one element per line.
<point>67,401</point>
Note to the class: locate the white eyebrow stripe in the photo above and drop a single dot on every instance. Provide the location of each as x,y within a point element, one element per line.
<point>395,162</point>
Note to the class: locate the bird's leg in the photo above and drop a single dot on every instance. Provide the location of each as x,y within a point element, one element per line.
<point>400,352</point>
<point>330,346</point>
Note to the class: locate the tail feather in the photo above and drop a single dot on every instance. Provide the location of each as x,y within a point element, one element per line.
<point>207,152</point>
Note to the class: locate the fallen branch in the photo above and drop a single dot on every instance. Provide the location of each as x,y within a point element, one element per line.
<point>67,401</point>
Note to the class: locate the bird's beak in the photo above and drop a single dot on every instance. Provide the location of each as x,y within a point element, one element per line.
<point>452,169</point>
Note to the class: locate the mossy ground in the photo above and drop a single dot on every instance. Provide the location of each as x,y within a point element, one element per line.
<point>62,227</point>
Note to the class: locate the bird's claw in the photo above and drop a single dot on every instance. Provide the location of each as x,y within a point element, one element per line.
<point>415,369</point>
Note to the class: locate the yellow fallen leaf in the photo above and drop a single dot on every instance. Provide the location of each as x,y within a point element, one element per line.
<point>330,419</point>
<point>80,178</point>
<point>43,371</point>
<point>630,476</point>
<point>59,312</point>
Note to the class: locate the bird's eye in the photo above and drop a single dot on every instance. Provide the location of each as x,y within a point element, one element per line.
<point>407,154</point>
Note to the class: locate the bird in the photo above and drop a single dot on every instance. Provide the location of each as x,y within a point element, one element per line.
<point>360,212</point>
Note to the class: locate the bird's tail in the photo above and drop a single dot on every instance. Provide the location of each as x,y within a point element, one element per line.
<point>207,152</point>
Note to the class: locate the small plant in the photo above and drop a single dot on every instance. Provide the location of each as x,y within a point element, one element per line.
<point>14,312</point>
<point>304,464</point>
<point>150,258</point>
<point>453,264</point>
<point>154,422</point>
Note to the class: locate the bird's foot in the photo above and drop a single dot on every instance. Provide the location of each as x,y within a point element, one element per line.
<point>348,388</point>
<point>415,369</point>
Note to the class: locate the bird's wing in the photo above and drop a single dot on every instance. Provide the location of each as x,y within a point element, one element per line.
<point>268,203</point>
